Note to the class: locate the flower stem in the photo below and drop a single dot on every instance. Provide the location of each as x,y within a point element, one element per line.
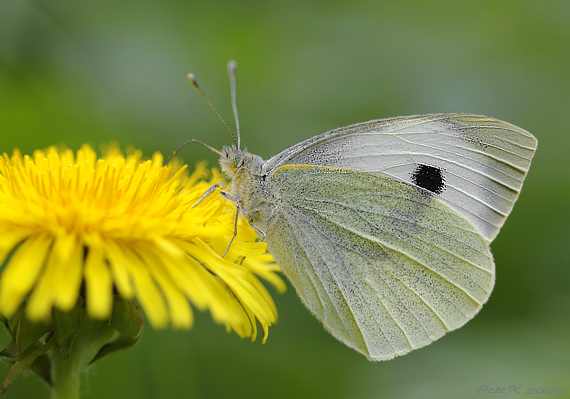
<point>65,377</point>
<point>67,373</point>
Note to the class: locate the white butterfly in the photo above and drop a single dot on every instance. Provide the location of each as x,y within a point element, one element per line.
<point>383,227</point>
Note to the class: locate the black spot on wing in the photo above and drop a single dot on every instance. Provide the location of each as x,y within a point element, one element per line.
<point>429,177</point>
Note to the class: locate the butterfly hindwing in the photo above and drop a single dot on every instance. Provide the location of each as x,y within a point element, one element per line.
<point>386,266</point>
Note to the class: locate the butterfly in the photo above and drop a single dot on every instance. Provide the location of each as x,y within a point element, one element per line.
<point>384,227</point>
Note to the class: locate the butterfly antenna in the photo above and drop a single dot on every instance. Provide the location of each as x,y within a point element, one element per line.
<point>190,142</point>
<point>232,72</point>
<point>192,79</point>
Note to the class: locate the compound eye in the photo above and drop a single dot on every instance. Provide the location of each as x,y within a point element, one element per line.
<point>235,160</point>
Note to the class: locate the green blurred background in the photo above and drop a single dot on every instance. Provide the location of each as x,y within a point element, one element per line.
<point>94,71</point>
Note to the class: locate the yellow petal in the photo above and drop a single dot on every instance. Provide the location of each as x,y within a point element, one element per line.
<point>60,280</point>
<point>22,272</point>
<point>98,284</point>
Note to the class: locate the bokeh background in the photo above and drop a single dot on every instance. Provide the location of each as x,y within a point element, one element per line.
<point>89,71</point>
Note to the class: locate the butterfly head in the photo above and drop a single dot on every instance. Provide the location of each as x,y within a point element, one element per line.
<point>235,161</point>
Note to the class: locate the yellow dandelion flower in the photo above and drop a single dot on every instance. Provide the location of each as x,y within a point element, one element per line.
<point>122,223</point>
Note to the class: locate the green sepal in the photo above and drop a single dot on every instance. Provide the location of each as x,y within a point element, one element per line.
<point>10,350</point>
<point>25,360</point>
<point>66,325</point>
<point>42,368</point>
<point>121,342</point>
<point>126,317</point>
<point>5,323</point>
<point>28,332</point>
<point>82,340</point>
<point>128,321</point>
<point>11,323</point>
<point>89,324</point>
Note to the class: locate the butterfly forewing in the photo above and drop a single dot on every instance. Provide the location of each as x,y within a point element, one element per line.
<point>475,164</point>
<point>386,266</point>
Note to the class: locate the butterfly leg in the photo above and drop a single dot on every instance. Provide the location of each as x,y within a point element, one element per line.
<point>229,196</point>
<point>236,199</point>
<point>238,209</point>
<point>209,191</point>
<point>258,230</point>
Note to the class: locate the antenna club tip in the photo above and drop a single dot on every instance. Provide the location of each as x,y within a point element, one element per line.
<point>232,64</point>
<point>192,79</point>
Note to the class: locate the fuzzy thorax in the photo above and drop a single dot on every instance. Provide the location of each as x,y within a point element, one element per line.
<point>244,171</point>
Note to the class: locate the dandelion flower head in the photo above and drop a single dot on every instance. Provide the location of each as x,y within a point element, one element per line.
<point>75,224</point>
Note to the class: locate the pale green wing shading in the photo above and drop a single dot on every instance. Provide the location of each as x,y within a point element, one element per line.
<point>385,266</point>
<point>482,161</point>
